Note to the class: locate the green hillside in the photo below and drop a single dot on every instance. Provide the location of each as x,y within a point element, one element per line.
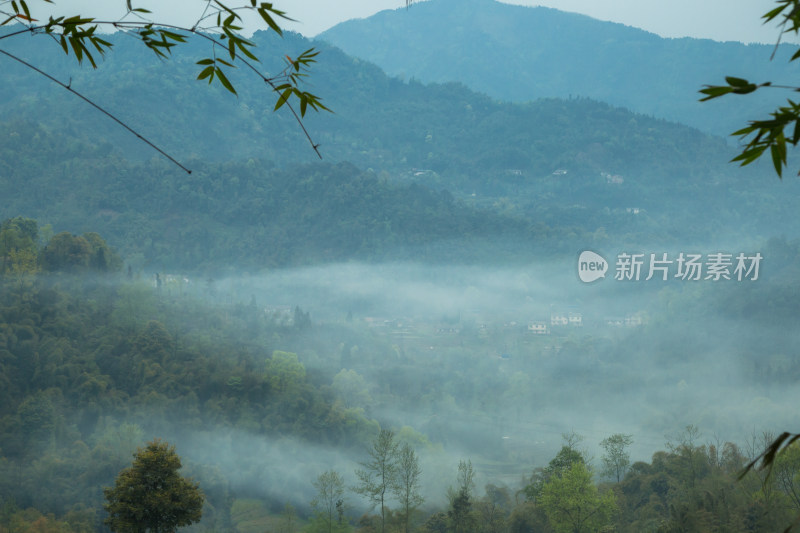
<point>536,172</point>
<point>521,54</point>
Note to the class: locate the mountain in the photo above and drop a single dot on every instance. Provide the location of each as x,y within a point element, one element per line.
<point>533,173</point>
<point>518,53</point>
<point>378,122</point>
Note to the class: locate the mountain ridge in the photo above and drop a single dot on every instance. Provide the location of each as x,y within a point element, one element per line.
<point>521,53</point>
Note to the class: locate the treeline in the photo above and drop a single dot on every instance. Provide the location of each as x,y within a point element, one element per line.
<point>691,486</point>
<point>252,215</point>
<point>21,253</point>
<point>257,216</point>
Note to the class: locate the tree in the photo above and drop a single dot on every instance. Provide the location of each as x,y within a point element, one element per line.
<point>329,501</point>
<point>18,246</point>
<point>559,464</point>
<point>288,519</point>
<point>767,134</point>
<point>151,495</point>
<point>460,516</point>
<point>786,473</point>
<point>378,476</point>
<point>102,258</point>
<point>616,459</point>
<point>218,24</point>
<point>284,371</point>
<point>66,252</point>
<point>466,477</point>
<point>573,503</point>
<point>690,455</point>
<point>351,389</point>
<point>407,483</point>
<point>493,509</point>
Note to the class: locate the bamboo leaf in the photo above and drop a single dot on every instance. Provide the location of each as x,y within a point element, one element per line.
<point>224,80</point>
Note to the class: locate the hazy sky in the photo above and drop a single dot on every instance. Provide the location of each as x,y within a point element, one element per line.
<point>715,19</point>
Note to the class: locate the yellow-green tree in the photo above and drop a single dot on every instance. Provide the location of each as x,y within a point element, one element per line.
<point>151,496</point>
<point>18,246</point>
<point>616,458</point>
<point>574,505</point>
<point>376,478</point>
<point>406,486</point>
<point>285,371</point>
<point>329,504</point>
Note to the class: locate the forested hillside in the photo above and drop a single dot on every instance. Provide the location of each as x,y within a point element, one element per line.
<point>520,54</point>
<point>247,215</point>
<point>547,170</point>
<point>262,401</point>
<point>378,122</point>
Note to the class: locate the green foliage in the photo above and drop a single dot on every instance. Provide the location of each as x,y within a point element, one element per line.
<point>574,505</point>
<point>329,505</point>
<point>406,486</point>
<point>226,213</point>
<point>770,134</point>
<point>461,516</point>
<point>87,369</point>
<point>284,371</point>
<point>101,258</point>
<point>494,508</point>
<point>19,252</point>
<point>561,463</point>
<point>378,474</point>
<point>616,458</point>
<point>218,215</point>
<point>786,471</point>
<point>151,495</point>
<point>352,389</point>
<point>66,252</point>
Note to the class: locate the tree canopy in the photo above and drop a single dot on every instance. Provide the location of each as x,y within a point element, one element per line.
<point>151,495</point>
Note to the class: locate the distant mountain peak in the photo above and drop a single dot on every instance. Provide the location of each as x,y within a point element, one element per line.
<point>521,53</point>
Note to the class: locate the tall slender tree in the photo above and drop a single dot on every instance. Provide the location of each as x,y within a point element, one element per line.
<point>617,458</point>
<point>329,500</point>
<point>377,477</point>
<point>461,518</point>
<point>406,487</point>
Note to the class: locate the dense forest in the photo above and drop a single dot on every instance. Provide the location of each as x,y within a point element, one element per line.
<point>92,367</point>
<point>252,215</point>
